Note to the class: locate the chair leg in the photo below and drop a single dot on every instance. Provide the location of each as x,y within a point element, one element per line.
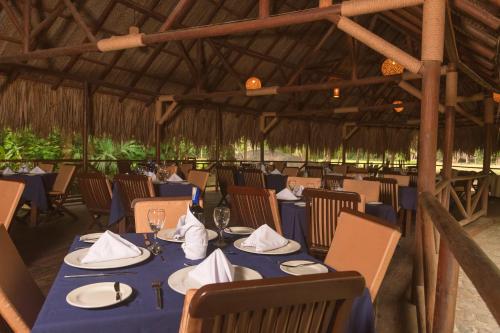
<point>401,221</point>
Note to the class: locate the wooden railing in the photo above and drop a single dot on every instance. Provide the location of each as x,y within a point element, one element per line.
<point>436,301</point>
<point>469,194</point>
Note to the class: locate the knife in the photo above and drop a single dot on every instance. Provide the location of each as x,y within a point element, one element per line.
<point>97,274</point>
<point>117,290</point>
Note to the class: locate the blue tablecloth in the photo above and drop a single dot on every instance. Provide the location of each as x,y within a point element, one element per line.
<point>140,314</point>
<point>273,182</point>
<point>162,190</point>
<point>383,211</point>
<point>407,197</point>
<point>36,188</point>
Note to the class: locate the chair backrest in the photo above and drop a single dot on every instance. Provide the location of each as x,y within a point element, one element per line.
<point>413,178</point>
<point>63,178</point>
<point>355,170</point>
<point>20,297</point>
<point>401,179</point>
<point>304,181</point>
<point>226,176</point>
<point>255,206</point>
<point>96,192</point>
<point>174,208</point>
<point>311,303</point>
<point>279,165</point>
<point>290,171</point>
<point>364,244</point>
<point>123,166</point>
<point>388,191</point>
<point>314,171</point>
<point>339,168</point>
<point>334,181</point>
<point>185,169</point>
<point>253,178</point>
<point>47,167</point>
<point>12,191</point>
<point>322,211</point>
<point>133,187</point>
<point>198,178</point>
<point>371,189</point>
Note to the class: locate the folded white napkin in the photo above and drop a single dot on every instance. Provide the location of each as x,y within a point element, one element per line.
<point>175,178</point>
<point>358,177</point>
<point>276,172</point>
<point>37,170</point>
<point>215,269</point>
<point>286,194</point>
<point>23,169</point>
<point>297,191</point>
<point>265,239</point>
<point>195,236</point>
<point>7,171</point>
<point>263,168</point>
<point>110,246</point>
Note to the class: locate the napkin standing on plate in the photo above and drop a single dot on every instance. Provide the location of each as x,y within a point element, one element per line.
<point>7,171</point>
<point>286,194</point>
<point>276,172</point>
<point>215,269</point>
<point>195,237</point>
<point>110,246</point>
<point>23,169</point>
<point>175,178</point>
<point>265,239</point>
<point>37,171</point>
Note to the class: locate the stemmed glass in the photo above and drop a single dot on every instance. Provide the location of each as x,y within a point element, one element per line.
<point>221,219</point>
<point>156,219</point>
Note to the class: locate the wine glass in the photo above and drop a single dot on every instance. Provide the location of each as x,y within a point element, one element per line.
<point>221,219</point>
<point>156,219</point>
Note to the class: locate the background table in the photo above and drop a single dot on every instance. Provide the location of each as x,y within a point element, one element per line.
<point>407,197</point>
<point>161,190</point>
<point>139,314</point>
<point>273,182</point>
<point>383,211</point>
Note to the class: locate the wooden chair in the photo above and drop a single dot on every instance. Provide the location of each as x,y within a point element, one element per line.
<point>253,178</point>
<point>123,166</point>
<point>413,178</point>
<point>401,179</point>
<point>96,193</point>
<point>388,191</point>
<point>133,187</point>
<point>174,208</point>
<point>334,181</point>
<point>12,190</point>
<point>279,165</point>
<point>311,303</point>
<point>47,167</point>
<point>290,171</point>
<point>304,181</point>
<point>314,171</point>
<point>254,207</point>
<point>226,176</point>
<point>322,211</point>
<point>339,168</point>
<point>20,297</point>
<point>185,168</point>
<point>60,189</point>
<point>199,179</point>
<point>365,244</point>
<point>370,189</point>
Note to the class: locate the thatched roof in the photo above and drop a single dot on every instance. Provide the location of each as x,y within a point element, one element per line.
<point>41,93</point>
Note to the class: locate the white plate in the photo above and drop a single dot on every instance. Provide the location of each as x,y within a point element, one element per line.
<point>168,235</point>
<point>289,200</point>
<point>90,238</point>
<point>291,247</point>
<point>180,281</point>
<point>300,204</point>
<point>239,230</point>
<point>374,203</point>
<point>98,295</point>
<point>303,270</point>
<point>75,259</point>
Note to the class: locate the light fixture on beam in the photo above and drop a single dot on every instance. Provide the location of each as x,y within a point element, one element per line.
<point>391,67</point>
<point>253,83</point>
<point>336,93</point>
<point>496,97</point>
<point>398,108</point>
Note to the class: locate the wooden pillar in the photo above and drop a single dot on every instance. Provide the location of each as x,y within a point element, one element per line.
<point>344,150</point>
<point>157,130</point>
<point>264,7</point>
<point>433,21</point>
<point>262,147</point>
<point>489,106</point>
<point>87,109</point>
<point>308,142</point>
<point>218,141</point>
<point>448,269</point>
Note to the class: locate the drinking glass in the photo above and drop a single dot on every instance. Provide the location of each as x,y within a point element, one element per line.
<point>156,219</point>
<point>221,219</point>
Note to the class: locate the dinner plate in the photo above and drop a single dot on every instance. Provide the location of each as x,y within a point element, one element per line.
<point>289,200</point>
<point>374,203</point>
<point>303,270</point>
<point>239,230</point>
<point>300,204</point>
<point>98,295</point>
<point>168,235</point>
<point>90,238</point>
<point>291,247</point>
<point>181,282</point>
<point>75,259</point>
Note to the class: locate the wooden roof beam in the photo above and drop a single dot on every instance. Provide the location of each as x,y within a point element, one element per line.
<point>230,69</point>
<point>478,13</point>
<point>79,20</point>
<point>12,17</point>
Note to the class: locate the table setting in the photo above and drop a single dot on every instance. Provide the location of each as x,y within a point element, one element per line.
<point>127,283</point>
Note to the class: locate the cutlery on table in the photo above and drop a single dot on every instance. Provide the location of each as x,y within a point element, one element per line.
<point>117,291</point>
<point>97,274</point>
<point>156,285</point>
<point>300,265</point>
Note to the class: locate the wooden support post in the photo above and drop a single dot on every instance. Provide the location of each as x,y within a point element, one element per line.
<point>489,106</point>
<point>218,141</point>
<point>344,148</point>
<point>26,25</point>
<point>308,142</point>
<point>87,109</point>
<point>264,7</point>
<point>262,147</point>
<point>447,274</point>
<point>157,130</point>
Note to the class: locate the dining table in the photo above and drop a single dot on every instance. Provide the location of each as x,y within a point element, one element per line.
<point>140,312</point>
<point>407,196</point>
<point>35,191</point>
<point>162,189</point>
<point>275,182</point>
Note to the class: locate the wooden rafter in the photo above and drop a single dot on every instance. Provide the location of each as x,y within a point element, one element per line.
<point>80,21</point>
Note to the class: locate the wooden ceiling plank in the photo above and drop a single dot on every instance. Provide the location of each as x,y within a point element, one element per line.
<point>230,69</point>
<point>26,26</point>
<point>80,21</point>
<point>12,17</point>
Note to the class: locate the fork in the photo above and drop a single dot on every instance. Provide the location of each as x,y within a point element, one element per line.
<point>156,285</point>
<point>299,265</point>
